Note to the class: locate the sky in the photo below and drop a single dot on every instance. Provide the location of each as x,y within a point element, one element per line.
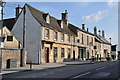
<point>103,15</point>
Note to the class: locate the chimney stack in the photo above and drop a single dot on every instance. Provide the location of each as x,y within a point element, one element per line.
<point>103,33</point>
<point>65,17</point>
<point>18,11</point>
<point>83,26</point>
<point>95,30</point>
<point>99,32</point>
<point>87,30</point>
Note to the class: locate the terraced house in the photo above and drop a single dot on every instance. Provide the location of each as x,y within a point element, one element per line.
<point>48,39</point>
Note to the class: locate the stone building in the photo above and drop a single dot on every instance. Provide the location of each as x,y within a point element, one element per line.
<point>114,52</point>
<point>85,42</point>
<point>102,46</point>
<point>10,47</point>
<point>48,39</point>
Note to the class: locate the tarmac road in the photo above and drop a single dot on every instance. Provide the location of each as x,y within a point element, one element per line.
<point>108,69</point>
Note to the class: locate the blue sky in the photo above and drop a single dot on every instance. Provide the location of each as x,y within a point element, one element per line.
<point>104,15</point>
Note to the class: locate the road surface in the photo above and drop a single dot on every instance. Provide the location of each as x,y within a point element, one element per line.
<point>107,69</point>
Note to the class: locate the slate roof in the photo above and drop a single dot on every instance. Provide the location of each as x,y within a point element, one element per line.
<point>9,23</point>
<point>54,23</point>
<point>103,40</point>
<point>98,38</point>
<point>74,29</point>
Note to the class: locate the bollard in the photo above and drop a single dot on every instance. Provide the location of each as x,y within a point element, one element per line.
<point>30,64</point>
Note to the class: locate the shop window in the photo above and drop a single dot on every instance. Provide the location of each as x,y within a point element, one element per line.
<point>55,51</point>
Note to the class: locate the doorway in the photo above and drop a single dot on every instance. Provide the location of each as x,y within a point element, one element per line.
<point>73,55</point>
<point>47,55</point>
<point>88,55</point>
<point>82,54</point>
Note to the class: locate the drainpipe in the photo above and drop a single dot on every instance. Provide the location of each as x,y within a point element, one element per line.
<point>23,47</point>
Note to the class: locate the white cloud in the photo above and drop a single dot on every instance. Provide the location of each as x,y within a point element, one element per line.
<point>112,3</point>
<point>95,17</point>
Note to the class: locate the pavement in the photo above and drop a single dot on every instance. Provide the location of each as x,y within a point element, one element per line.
<point>43,66</point>
<point>105,69</point>
<point>34,67</point>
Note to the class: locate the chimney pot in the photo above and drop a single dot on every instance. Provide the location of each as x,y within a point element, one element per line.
<point>99,32</point>
<point>87,30</point>
<point>83,26</point>
<point>66,11</point>
<point>103,33</point>
<point>95,30</point>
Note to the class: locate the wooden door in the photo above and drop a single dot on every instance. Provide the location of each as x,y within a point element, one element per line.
<point>73,55</point>
<point>47,55</point>
<point>87,55</point>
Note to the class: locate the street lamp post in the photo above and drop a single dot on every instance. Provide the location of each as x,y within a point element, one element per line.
<point>2,4</point>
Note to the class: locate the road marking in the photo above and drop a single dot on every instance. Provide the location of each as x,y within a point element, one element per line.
<point>81,75</point>
<point>101,68</point>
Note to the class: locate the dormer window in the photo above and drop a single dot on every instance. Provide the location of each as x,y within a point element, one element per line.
<point>62,24</point>
<point>48,18</point>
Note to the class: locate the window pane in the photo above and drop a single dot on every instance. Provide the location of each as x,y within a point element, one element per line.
<point>82,39</point>
<point>62,52</point>
<point>55,35</point>
<point>61,24</point>
<point>68,52</point>
<point>9,38</point>
<point>46,33</point>
<point>48,19</point>
<point>74,39</point>
<point>87,39</point>
<point>62,37</point>
<point>92,41</point>
<point>55,51</point>
<point>68,38</point>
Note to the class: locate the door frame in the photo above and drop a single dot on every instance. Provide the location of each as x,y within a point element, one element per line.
<point>73,54</point>
<point>46,54</point>
<point>88,55</point>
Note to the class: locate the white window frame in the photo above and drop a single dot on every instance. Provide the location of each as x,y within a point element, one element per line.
<point>62,26</point>
<point>55,35</point>
<point>47,33</point>
<point>68,38</point>
<point>48,19</point>
<point>62,37</point>
<point>82,39</point>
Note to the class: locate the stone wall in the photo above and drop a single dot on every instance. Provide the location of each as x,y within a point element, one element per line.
<point>11,54</point>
